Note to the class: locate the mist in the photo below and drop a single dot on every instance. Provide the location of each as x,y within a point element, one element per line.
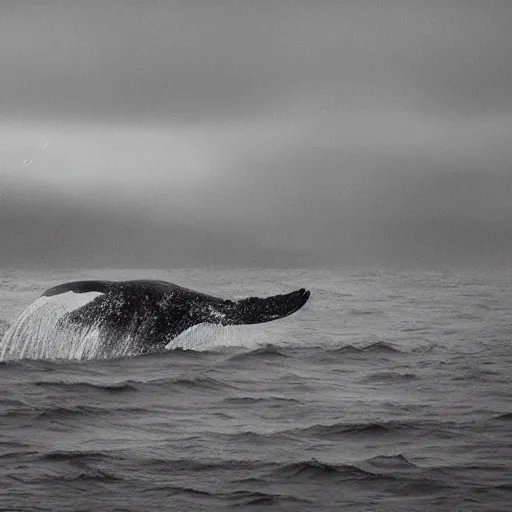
<point>266,134</point>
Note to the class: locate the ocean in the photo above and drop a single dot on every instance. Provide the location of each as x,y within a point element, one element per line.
<point>389,391</point>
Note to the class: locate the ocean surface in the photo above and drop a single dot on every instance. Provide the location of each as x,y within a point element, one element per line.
<point>389,391</point>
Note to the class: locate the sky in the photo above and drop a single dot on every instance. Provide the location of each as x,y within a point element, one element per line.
<point>255,133</point>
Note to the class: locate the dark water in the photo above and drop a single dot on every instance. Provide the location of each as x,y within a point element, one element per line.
<point>388,392</point>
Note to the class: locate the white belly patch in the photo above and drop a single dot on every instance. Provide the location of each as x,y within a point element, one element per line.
<point>69,301</point>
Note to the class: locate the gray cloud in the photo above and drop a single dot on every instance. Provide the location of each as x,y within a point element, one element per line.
<point>283,217</point>
<point>255,133</point>
<point>185,61</point>
<point>46,230</point>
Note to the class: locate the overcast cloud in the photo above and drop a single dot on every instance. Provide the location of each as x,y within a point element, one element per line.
<point>245,133</point>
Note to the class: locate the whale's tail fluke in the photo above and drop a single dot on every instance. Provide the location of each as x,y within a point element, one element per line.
<point>255,310</point>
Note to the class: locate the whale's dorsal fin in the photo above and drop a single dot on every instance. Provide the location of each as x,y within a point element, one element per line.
<point>79,287</point>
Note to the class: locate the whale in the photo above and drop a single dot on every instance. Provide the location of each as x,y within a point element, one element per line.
<point>105,319</point>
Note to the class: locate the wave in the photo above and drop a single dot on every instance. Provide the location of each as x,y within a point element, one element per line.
<point>57,412</point>
<point>507,416</point>
<point>503,487</point>
<point>177,489</point>
<point>381,347</point>
<point>194,465</point>
<point>315,469</point>
<point>421,328</point>
<point>267,352</point>
<point>262,499</point>
<point>400,475</point>
<point>69,411</point>
<point>185,352</point>
<point>365,312</point>
<point>265,438</point>
<point>88,474</point>
<point>66,412</point>
<point>355,429</point>
<point>12,402</point>
<point>131,386</point>
<point>121,387</point>
<point>271,400</point>
<point>199,383</point>
<point>375,347</point>
<point>74,455</point>
<point>346,349</point>
<point>388,377</point>
<point>394,462</point>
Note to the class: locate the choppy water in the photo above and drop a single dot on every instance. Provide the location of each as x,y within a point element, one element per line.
<point>389,391</point>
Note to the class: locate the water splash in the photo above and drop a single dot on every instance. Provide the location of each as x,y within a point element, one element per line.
<point>40,333</point>
<point>29,335</point>
<point>4,326</point>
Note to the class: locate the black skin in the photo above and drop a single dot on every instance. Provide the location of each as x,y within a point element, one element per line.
<point>155,312</point>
